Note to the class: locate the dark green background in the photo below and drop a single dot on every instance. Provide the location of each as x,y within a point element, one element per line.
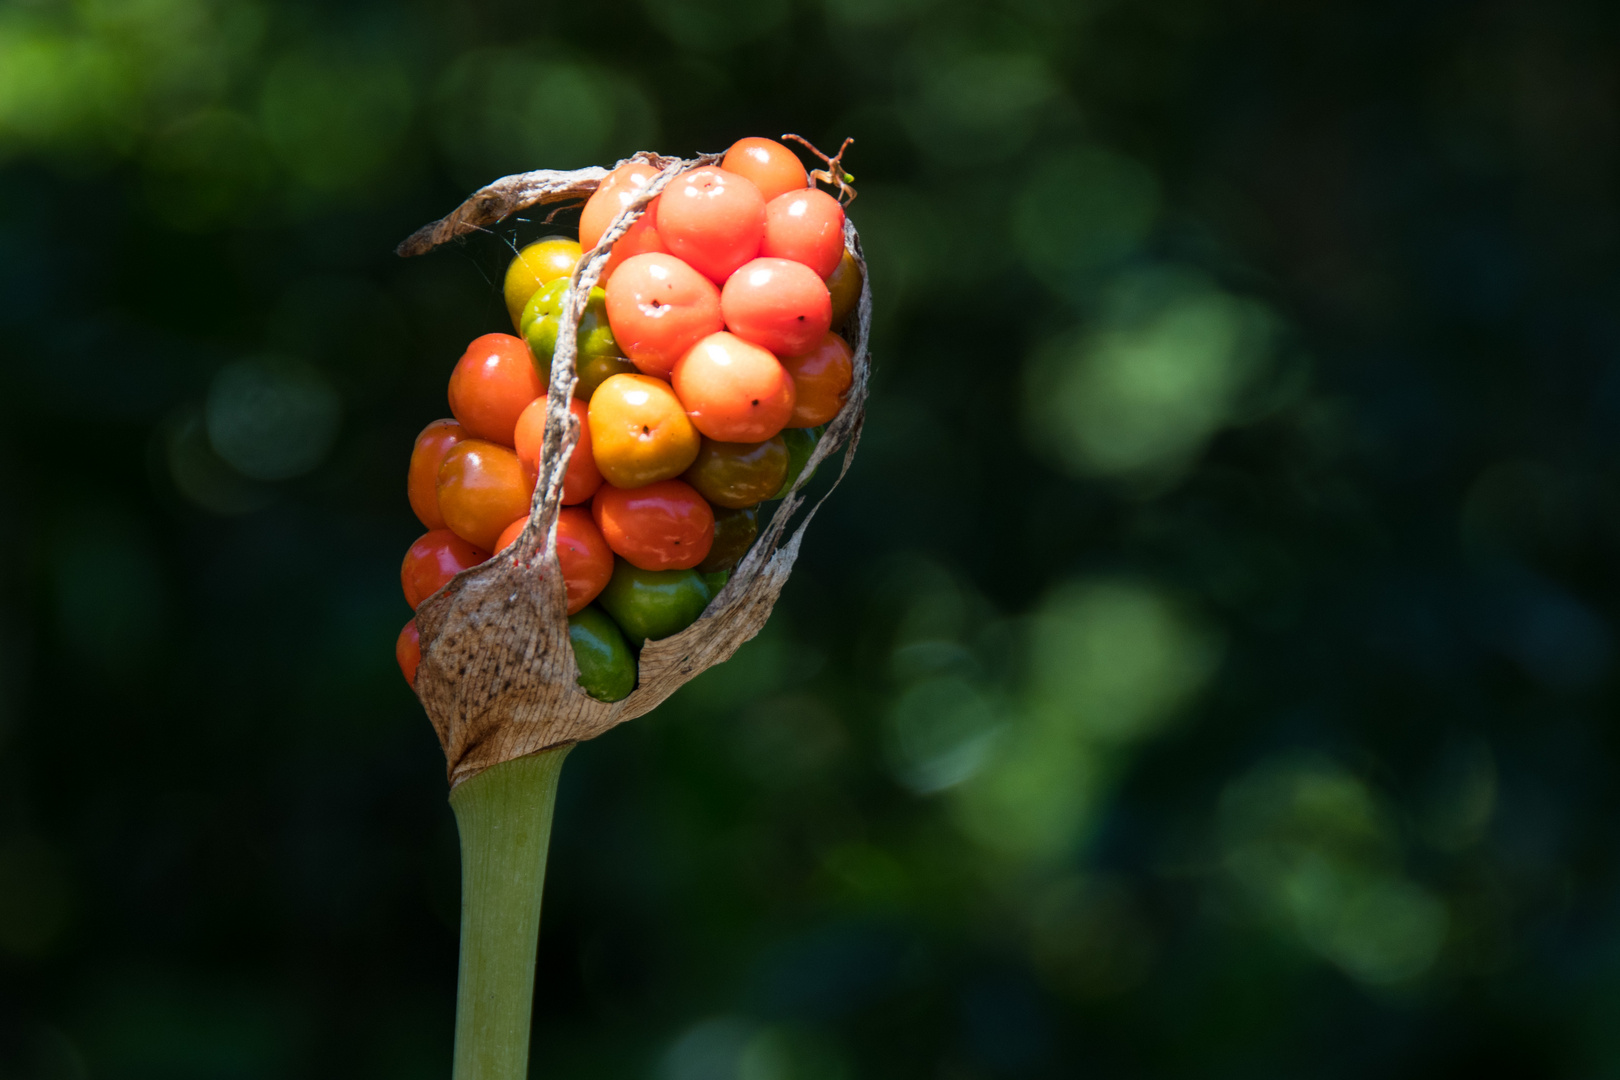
<point>1206,669</point>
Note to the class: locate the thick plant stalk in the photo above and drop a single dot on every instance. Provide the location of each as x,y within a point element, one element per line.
<point>504,816</point>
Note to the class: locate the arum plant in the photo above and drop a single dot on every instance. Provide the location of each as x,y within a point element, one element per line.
<point>497,672</point>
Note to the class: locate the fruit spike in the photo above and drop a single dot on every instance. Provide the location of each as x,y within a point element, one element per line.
<point>498,676</point>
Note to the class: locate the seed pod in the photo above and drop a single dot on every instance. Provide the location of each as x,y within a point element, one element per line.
<point>497,674</point>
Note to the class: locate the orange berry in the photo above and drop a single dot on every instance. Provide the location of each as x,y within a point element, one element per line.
<point>493,383</point>
<point>482,488</point>
<point>616,192</point>
<point>640,433</point>
<point>712,219</point>
<point>510,534</point>
<point>821,381</point>
<point>582,478</point>
<point>658,307</point>
<point>422,481</point>
<point>778,304</point>
<point>663,526</point>
<point>805,226</point>
<point>770,166</point>
<point>734,391</point>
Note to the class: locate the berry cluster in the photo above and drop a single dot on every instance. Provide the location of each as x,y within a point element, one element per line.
<point>706,365</point>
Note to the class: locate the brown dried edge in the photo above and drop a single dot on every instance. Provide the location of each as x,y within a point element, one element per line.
<point>498,678</point>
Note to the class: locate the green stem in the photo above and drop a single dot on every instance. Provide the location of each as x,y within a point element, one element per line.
<point>504,815</point>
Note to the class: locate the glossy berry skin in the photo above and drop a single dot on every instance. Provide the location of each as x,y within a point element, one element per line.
<point>510,534</point>
<point>584,557</point>
<point>734,533</point>
<point>542,261</point>
<point>593,371</point>
<point>422,482</point>
<point>543,316</point>
<point>738,475</point>
<point>653,604</point>
<point>658,307</point>
<point>545,301</point>
<point>582,478</point>
<point>713,220</point>
<point>483,487</point>
<point>778,304</point>
<point>805,226</point>
<point>607,201</point>
<point>583,554</point>
<point>821,381</point>
<point>733,391</point>
<point>663,526</point>
<point>640,239</point>
<point>607,668</point>
<point>408,651</point>
<point>617,192</point>
<point>844,286</point>
<point>599,354</point>
<point>492,384</point>
<point>434,559</point>
<point>640,433</point>
<point>768,165</point>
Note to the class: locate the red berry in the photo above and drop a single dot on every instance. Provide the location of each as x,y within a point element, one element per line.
<point>422,481</point>
<point>640,239</point>
<point>663,526</point>
<point>408,651</point>
<point>657,308</point>
<point>712,219</point>
<point>805,226</point>
<point>777,304</point>
<point>616,192</point>
<point>621,186</point>
<point>734,391</point>
<point>434,559</point>
<point>493,382</point>
<point>584,557</point>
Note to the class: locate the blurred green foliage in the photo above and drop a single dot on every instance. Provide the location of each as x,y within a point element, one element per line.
<point>1204,671</point>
